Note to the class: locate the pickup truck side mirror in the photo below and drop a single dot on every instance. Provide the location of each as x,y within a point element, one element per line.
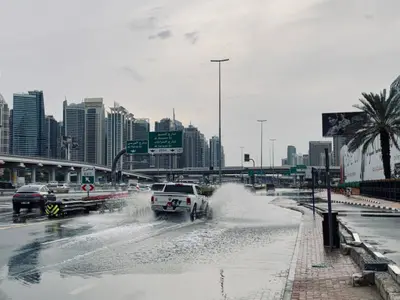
<point>51,192</point>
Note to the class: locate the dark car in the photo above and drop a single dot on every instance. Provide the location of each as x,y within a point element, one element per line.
<point>32,196</point>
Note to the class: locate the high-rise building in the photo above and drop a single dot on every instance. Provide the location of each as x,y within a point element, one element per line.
<point>306,159</point>
<point>10,132</point>
<point>52,137</point>
<point>205,151</point>
<point>163,161</point>
<point>74,127</point>
<point>95,133</point>
<point>141,128</point>
<point>291,154</point>
<point>315,150</point>
<point>192,147</point>
<point>214,153</point>
<point>284,162</point>
<point>4,126</point>
<point>116,123</point>
<point>338,143</point>
<point>29,124</point>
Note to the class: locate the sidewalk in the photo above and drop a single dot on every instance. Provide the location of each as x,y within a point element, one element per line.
<point>361,200</point>
<point>320,274</point>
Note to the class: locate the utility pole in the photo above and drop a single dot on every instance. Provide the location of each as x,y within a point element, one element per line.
<point>273,158</point>
<point>261,158</point>
<point>219,61</point>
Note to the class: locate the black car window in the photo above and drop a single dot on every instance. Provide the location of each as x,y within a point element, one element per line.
<point>28,189</point>
<point>157,187</point>
<point>178,188</point>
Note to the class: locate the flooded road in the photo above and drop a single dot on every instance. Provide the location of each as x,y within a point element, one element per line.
<point>244,252</point>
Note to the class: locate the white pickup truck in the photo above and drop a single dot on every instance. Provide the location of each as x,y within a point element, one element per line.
<point>180,198</point>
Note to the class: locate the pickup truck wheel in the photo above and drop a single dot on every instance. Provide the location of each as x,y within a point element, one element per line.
<point>193,214</point>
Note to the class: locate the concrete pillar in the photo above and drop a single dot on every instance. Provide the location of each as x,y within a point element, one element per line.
<point>33,174</point>
<point>78,176</point>
<point>14,176</point>
<point>52,175</point>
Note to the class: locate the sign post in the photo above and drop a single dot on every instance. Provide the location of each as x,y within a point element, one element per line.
<point>88,177</point>
<point>137,147</point>
<point>165,142</point>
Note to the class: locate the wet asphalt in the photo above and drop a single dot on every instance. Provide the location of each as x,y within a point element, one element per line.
<point>244,252</point>
<point>375,226</point>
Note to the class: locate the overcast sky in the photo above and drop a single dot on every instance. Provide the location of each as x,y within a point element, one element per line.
<point>290,60</point>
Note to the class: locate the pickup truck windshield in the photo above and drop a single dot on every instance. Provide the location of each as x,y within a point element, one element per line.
<point>183,189</point>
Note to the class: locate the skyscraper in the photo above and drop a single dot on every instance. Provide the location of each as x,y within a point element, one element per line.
<point>52,137</point>
<point>29,124</point>
<point>163,161</point>
<point>74,127</point>
<point>316,149</point>
<point>94,131</point>
<point>291,154</point>
<point>141,128</point>
<point>116,122</point>
<point>338,143</point>
<point>192,145</point>
<point>10,132</point>
<point>4,126</point>
<point>214,153</point>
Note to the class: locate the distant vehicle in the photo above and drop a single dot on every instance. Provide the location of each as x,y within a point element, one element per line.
<point>180,198</point>
<point>32,196</point>
<point>61,188</point>
<point>250,188</point>
<point>270,187</point>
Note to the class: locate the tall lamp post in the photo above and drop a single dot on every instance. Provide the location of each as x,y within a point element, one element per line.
<point>261,158</point>
<point>273,158</point>
<point>241,160</point>
<point>219,61</point>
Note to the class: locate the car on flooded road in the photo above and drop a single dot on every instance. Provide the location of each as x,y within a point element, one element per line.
<point>32,196</point>
<point>180,198</point>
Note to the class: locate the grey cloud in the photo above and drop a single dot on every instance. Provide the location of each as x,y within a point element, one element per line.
<point>143,24</point>
<point>164,34</point>
<point>192,37</point>
<point>130,71</point>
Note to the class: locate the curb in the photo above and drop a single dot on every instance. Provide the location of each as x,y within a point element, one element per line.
<point>365,204</point>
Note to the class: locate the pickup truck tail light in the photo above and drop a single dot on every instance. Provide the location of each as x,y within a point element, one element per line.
<point>188,201</point>
<point>152,199</point>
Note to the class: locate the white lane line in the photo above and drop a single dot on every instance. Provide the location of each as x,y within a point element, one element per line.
<point>82,289</point>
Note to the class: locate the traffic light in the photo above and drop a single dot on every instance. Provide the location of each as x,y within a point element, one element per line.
<point>247,157</point>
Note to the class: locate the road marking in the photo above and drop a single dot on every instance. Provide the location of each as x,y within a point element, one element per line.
<point>82,289</point>
<point>27,224</point>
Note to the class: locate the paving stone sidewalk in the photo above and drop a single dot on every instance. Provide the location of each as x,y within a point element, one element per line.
<point>361,201</point>
<point>321,274</point>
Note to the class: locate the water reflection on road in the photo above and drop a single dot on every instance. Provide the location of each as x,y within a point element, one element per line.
<point>245,251</point>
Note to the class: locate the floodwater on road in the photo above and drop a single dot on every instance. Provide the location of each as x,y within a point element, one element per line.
<point>244,252</point>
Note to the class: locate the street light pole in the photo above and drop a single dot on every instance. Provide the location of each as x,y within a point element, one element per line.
<point>219,61</point>
<point>273,158</point>
<point>241,160</point>
<point>261,158</point>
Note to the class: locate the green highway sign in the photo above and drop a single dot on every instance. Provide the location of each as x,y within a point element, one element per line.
<point>301,167</point>
<point>165,142</point>
<point>137,147</point>
<point>251,172</point>
<point>88,175</point>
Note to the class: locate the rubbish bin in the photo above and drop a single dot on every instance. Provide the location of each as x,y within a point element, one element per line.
<point>325,230</point>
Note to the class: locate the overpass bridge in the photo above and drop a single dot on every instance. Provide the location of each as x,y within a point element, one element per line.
<point>18,162</point>
<point>335,171</point>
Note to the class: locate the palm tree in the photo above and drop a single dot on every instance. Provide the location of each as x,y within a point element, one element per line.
<point>382,119</point>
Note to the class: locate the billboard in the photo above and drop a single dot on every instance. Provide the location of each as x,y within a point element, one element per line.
<point>358,167</point>
<point>337,124</point>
